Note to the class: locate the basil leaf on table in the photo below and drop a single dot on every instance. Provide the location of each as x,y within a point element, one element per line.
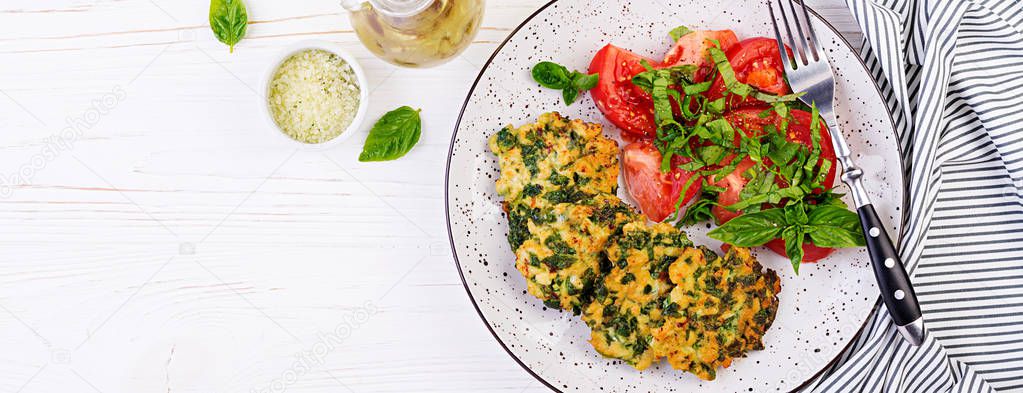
<point>229,21</point>
<point>392,136</point>
<point>678,32</point>
<point>751,229</point>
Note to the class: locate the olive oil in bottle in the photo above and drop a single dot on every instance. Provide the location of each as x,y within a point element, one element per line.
<point>415,33</point>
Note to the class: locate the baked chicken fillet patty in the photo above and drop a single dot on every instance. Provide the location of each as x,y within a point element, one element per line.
<point>718,310</point>
<point>627,301</point>
<point>562,247</point>
<point>555,160</point>
<point>558,180</point>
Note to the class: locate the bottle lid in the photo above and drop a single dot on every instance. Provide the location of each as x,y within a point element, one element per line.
<point>398,8</point>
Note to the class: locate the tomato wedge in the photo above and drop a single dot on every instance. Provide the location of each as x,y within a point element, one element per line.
<point>757,62</point>
<point>692,49</point>
<point>624,104</point>
<point>656,192</point>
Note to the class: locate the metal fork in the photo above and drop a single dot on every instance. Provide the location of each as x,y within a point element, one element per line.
<point>809,71</point>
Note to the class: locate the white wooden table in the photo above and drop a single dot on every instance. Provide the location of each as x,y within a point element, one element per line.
<point>155,238</point>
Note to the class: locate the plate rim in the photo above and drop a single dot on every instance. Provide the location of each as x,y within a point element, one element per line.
<point>447,201</point>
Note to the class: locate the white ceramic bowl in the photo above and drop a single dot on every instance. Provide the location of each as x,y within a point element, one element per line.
<point>331,47</point>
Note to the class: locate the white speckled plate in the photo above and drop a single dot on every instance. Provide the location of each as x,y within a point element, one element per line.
<point>821,310</point>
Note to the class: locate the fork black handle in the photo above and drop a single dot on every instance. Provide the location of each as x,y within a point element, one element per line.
<point>896,289</point>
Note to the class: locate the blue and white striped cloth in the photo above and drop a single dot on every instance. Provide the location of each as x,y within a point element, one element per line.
<point>952,72</point>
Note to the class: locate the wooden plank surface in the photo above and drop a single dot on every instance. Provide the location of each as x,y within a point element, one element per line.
<point>156,238</point>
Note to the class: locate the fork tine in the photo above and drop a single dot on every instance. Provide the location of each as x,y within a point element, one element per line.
<point>801,58</point>
<point>803,49</point>
<point>790,63</point>
<point>813,34</point>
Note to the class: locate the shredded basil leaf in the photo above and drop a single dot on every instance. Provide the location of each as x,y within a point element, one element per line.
<point>728,74</point>
<point>678,32</point>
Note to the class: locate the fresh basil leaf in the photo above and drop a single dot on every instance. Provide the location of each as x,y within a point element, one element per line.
<point>556,76</point>
<point>793,237</point>
<point>795,213</point>
<point>583,82</point>
<point>551,75</point>
<point>833,215</point>
<point>834,226</point>
<point>678,32</point>
<point>751,229</point>
<point>569,95</point>
<point>392,136</point>
<point>229,21</point>
<point>835,237</point>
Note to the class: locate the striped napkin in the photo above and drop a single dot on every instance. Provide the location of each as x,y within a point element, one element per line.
<point>952,73</point>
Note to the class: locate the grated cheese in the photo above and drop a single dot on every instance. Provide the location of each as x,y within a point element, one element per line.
<point>314,96</point>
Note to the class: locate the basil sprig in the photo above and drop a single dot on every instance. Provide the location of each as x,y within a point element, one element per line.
<point>556,76</point>
<point>229,20</point>
<point>392,136</point>
<point>829,225</point>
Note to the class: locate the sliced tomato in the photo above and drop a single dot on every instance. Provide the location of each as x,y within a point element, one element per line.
<point>624,104</point>
<point>656,192</point>
<point>811,253</point>
<point>692,49</point>
<point>757,62</point>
